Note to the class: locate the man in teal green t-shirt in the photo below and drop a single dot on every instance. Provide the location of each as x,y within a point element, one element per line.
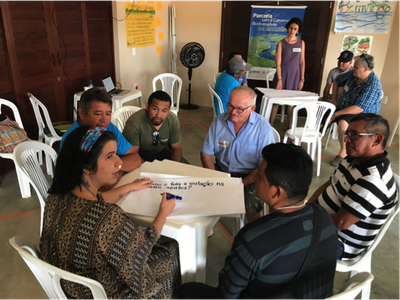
<point>154,132</point>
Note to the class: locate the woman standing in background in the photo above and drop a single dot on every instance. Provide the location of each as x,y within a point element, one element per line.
<point>290,65</point>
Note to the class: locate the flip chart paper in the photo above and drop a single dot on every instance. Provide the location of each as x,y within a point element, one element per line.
<point>200,197</point>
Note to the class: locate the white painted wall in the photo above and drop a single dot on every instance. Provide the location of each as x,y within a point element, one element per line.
<point>142,67</point>
<point>199,21</point>
<point>196,21</point>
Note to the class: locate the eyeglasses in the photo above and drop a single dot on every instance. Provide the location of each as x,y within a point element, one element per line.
<point>239,110</point>
<point>156,138</point>
<point>355,135</point>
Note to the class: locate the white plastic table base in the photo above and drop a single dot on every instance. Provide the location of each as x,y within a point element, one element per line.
<point>192,240</point>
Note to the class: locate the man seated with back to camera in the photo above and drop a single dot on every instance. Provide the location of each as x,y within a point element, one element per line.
<point>243,79</point>
<point>95,107</point>
<point>268,253</point>
<point>228,80</point>
<point>155,132</point>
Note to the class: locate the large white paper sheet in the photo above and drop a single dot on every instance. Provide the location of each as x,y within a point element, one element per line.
<point>201,197</point>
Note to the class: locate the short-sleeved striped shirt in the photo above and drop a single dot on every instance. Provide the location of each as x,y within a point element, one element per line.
<point>366,95</point>
<point>368,191</point>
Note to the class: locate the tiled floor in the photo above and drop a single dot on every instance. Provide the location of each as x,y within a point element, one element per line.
<point>21,217</point>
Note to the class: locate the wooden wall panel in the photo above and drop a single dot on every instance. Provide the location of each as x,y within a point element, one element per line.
<point>101,42</point>
<point>73,58</point>
<point>6,83</point>
<point>35,61</point>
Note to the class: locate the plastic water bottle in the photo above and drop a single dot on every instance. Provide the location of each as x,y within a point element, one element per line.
<point>90,84</point>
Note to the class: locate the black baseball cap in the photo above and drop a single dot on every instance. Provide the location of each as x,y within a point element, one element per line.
<point>346,56</point>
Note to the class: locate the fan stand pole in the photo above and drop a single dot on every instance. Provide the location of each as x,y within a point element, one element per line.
<point>189,105</point>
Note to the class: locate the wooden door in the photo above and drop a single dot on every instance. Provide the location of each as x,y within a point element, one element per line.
<point>235,29</point>
<point>85,43</point>
<point>34,59</point>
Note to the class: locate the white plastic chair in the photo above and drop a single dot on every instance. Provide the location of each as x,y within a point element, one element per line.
<point>310,133</point>
<point>22,180</point>
<point>269,76</point>
<point>214,94</point>
<point>122,114</point>
<point>216,77</point>
<point>353,286</point>
<point>393,132</point>
<point>172,85</point>
<point>363,262</point>
<point>27,162</point>
<point>39,109</point>
<point>50,276</point>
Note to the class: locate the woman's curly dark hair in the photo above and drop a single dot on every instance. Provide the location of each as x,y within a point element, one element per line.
<point>71,160</point>
<point>296,21</point>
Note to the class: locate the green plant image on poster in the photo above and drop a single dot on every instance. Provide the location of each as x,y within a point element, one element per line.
<point>258,44</point>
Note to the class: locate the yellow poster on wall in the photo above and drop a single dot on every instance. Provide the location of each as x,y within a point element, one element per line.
<point>140,25</point>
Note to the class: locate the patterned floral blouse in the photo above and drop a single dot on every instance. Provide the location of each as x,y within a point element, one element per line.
<point>96,239</point>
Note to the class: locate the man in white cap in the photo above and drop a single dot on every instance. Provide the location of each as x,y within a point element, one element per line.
<point>229,80</point>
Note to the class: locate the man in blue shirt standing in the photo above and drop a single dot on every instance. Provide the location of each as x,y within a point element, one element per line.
<point>236,138</point>
<point>228,80</point>
<point>95,108</point>
<point>362,92</point>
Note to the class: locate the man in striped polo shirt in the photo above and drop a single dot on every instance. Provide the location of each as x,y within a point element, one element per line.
<point>362,192</point>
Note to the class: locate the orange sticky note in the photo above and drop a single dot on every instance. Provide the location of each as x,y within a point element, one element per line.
<point>158,49</point>
<point>150,2</point>
<point>158,21</point>
<point>159,5</point>
<point>161,36</point>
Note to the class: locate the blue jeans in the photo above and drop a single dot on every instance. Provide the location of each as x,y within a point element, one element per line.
<point>340,250</point>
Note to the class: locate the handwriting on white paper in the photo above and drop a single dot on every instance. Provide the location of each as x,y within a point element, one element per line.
<point>185,185</point>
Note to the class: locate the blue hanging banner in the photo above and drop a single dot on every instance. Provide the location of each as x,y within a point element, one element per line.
<point>267,28</point>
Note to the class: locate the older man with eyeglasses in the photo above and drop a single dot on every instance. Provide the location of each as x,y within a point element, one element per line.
<point>362,92</point>
<point>236,138</point>
<point>362,192</point>
<point>154,132</point>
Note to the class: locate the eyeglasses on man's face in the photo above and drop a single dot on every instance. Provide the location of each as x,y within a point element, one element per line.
<point>353,135</point>
<point>239,110</point>
<point>156,138</point>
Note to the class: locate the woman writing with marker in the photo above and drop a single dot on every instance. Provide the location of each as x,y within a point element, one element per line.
<point>290,65</point>
<point>85,233</point>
